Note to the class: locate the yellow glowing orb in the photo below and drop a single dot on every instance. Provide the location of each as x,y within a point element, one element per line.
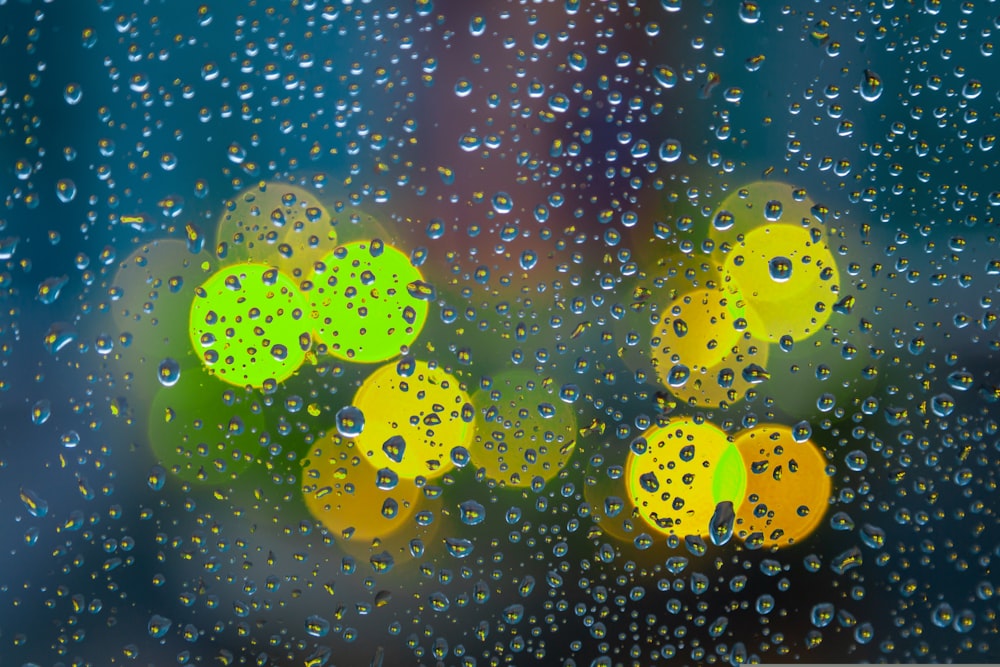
<point>724,383</point>
<point>685,471</point>
<point>760,203</point>
<point>248,325</point>
<point>278,224</point>
<point>787,279</point>
<point>202,430</point>
<point>414,415</point>
<point>353,498</point>
<point>368,302</point>
<point>522,429</point>
<point>787,489</point>
<point>696,330</point>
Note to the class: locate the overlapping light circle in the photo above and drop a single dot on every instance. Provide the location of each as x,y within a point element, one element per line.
<point>685,469</point>
<point>778,486</point>
<point>352,497</point>
<point>278,224</point>
<point>700,352</point>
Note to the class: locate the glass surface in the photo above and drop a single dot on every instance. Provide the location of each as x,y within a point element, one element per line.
<point>487,333</point>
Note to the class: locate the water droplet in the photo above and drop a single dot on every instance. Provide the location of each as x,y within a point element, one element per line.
<point>35,504</point>
<point>723,220</point>
<point>765,604</point>
<point>871,86</point>
<point>317,626</point>
<point>72,93</point>
<point>394,448</point>
<point>458,547</point>
<point>822,614</point>
<point>168,372</point>
<point>472,513</point>
<point>156,478</point>
<point>41,411</point>
<point>386,479</point>
<point>350,421</point>
<point>50,288</point>
<point>872,536</point>
<point>670,150</point>
<point>780,269</point>
<point>502,203</point>
<point>720,526</point>
<point>158,626</point>
<point>856,460</point>
<point>802,431</point>
<point>65,190</point>
<point>649,483</point>
<point>942,405</point>
<point>477,25</point>
<point>749,12</point>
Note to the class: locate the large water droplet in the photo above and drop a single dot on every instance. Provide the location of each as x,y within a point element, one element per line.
<point>168,372</point>
<point>720,527</point>
<point>780,269</point>
<point>350,421</point>
<point>871,86</point>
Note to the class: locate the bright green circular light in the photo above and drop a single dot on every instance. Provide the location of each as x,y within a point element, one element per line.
<point>367,302</point>
<point>202,430</point>
<point>686,470</point>
<point>523,430</point>
<point>248,325</point>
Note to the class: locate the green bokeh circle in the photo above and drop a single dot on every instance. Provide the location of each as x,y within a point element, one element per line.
<point>361,304</point>
<point>248,325</point>
<point>204,431</point>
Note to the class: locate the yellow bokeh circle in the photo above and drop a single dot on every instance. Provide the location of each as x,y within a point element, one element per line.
<point>351,497</point>
<point>787,489</point>
<point>278,224</point>
<point>756,204</point>
<point>522,430</point>
<point>696,330</point>
<point>414,416</point>
<point>786,278</point>
<point>685,470</point>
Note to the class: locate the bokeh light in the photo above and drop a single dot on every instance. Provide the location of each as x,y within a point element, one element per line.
<point>248,325</point>
<point>786,279</point>
<point>680,474</point>
<point>412,415</point>
<point>351,497</point>
<point>523,431</point>
<point>787,485</point>
<point>278,224</point>
<point>368,302</point>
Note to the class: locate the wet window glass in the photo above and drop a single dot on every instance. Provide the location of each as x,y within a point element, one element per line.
<point>559,332</point>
